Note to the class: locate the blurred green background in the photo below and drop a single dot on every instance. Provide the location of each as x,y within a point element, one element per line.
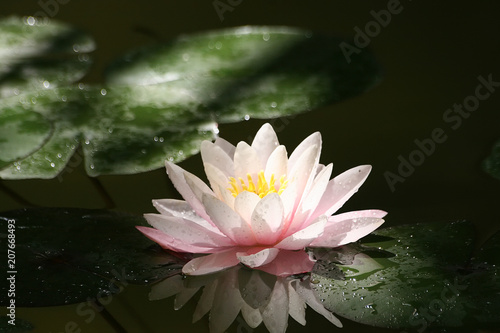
<point>432,54</point>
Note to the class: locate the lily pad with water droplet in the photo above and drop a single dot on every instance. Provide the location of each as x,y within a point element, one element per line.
<point>161,102</point>
<point>414,277</point>
<point>39,53</point>
<point>257,72</point>
<point>21,133</point>
<point>65,256</point>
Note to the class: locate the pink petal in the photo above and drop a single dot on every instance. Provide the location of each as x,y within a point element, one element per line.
<point>187,231</point>
<point>302,238</point>
<point>340,189</point>
<point>349,227</point>
<point>246,161</point>
<point>227,147</point>
<point>219,182</point>
<point>265,142</point>
<point>215,155</point>
<point>245,203</point>
<point>312,140</point>
<point>310,200</point>
<point>260,258</point>
<point>228,221</point>
<point>176,175</point>
<point>302,176</point>
<point>277,164</point>
<point>211,263</point>
<point>289,263</point>
<point>168,242</point>
<point>267,219</point>
<point>180,208</point>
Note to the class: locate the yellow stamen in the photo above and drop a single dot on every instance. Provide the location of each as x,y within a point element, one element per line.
<point>263,187</point>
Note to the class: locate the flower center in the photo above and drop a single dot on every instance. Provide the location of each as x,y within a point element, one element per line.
<point>263,187</point>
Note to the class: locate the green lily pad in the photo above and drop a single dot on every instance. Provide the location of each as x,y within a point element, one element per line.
<point>41,54</point>
<point>413,277</point>
<point>161,102</point>
<point>253,71</point>
<point>76,254</point>
<point>492,163</point>
<point>21,133</point>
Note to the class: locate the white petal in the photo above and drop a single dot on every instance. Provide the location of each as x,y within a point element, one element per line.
<point>302,173</point>
<point>317,189</point>
<point>277,164</point>
<point>304,237</point>
<point>275,314</point>
<point>312,140</point>
<point>211,263</point>
<point>206,301</point>
<point>252,316</point>
<point>310,201</point>
<point>245,203</point>
<point>267,219</point>
<point>197,186</point>
<point>218,180</point>
<point>340,189</point>
<point>180,208</point>
<point>227,303</point>
<point>255,286</point>
<point>215,155</point>
<point>167,288</point>
<point>296,305</point>
<point>227,147</point>
<point>188,231</point>
<point>246,161</point>
<point>304,290</point>
<point>184,296</point>
<point>168,242</point>
<point>349,227</point>
<point>258,259</point>
<point>176,175</point>
<point>265,142</point>
<point>228,221</point>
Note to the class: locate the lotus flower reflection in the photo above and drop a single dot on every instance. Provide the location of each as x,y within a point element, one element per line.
<point>262,209</point>
<point>271,299</point>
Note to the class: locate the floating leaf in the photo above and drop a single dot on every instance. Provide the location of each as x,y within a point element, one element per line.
<point>29,129</point>
<point>162,101</point>
<point>492,163</point>
<point>76,254</point>
<point>40,54</point>
<point>260,72</point>
<point>415,277</point>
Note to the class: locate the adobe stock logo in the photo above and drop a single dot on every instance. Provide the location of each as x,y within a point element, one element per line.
<point>454,117</point>
<point>50,8</point>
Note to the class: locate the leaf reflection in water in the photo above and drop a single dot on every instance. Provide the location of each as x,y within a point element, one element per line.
<point>261,298</point>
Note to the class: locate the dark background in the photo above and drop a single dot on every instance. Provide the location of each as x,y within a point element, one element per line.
<point>432,54</point>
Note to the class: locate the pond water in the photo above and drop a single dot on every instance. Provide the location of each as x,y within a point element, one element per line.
<point>426,159</point>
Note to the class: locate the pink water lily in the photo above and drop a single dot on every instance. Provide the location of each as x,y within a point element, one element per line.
<point>262,208</point>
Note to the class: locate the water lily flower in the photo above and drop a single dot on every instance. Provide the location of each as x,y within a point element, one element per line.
<point>262,209</point>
